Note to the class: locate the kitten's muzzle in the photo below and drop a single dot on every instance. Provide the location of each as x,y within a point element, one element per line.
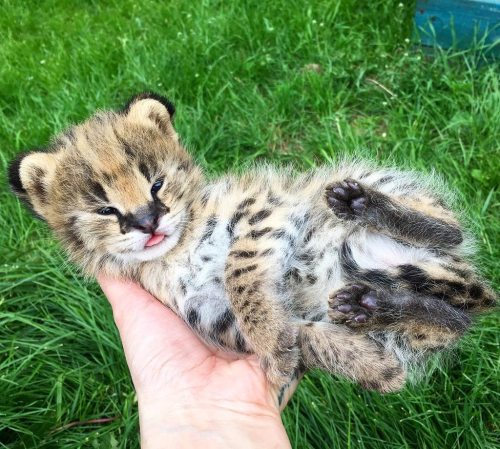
<point>146,220</point>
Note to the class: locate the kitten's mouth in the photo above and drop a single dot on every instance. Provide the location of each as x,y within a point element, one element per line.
<point>154,240</point>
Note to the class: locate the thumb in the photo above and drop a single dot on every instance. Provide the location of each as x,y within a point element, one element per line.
<point>144,323</point>
<point>129,301</point>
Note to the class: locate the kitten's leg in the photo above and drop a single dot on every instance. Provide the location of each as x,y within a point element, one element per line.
<point>452,282</point>
<point>425,322</point>
<point>260,314</point>
<point>444,278</point>
<point>422,221</point>
<point>341,351</point>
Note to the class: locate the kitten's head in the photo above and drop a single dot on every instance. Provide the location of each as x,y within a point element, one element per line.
<point>119,186</point>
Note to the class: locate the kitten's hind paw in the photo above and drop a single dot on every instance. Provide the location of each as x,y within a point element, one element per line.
<point>353,305</point>
<point>347,199</point>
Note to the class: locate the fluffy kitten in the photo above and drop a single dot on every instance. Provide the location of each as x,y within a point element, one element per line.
<point>355,270</point>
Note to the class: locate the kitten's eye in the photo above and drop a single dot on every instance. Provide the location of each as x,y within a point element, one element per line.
<point>156,186</point>
<point>107,211</point>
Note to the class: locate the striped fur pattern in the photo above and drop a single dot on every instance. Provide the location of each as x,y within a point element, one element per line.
<point>356,270</point>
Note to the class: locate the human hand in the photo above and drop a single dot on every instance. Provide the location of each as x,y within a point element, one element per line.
<point>190,395</point>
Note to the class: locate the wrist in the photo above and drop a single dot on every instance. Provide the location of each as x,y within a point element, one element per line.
<point>192,423</point>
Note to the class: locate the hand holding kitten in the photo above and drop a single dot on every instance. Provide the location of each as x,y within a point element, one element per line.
<point>190,394</point>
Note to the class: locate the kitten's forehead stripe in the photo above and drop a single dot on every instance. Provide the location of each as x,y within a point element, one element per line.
<point>143,168</point>
<point>128,149</point>
<point>109,178</point>
<point>97,190</point>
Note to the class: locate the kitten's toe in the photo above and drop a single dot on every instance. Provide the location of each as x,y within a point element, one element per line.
<point>386,375</point>
<point>281,364</point>
<point>347,199</point>
<point>369,300</point>
<point>280,367</point>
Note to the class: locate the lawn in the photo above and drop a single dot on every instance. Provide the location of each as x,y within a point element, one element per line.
<point>286,81</point>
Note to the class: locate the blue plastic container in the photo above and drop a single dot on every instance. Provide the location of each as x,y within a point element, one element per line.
<point>459,24</point>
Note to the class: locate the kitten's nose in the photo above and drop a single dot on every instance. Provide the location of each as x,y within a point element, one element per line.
<point>147,221</point>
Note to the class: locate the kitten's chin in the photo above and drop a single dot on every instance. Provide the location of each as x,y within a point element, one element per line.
<point>154,251</point>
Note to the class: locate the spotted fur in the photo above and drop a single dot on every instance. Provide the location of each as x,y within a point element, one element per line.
<point>357,270</point>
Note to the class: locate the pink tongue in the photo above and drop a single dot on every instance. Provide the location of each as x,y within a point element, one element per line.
<point>157,238</point>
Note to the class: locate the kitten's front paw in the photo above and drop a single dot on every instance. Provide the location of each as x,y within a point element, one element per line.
<point>353,305</point>
<point>347,199</point>
<point>281,364</point>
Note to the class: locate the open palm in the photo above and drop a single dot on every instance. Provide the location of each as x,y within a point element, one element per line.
<point>175,374</point>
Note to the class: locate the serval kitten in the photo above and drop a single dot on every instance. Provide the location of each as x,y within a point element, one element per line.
<point>356,270</point>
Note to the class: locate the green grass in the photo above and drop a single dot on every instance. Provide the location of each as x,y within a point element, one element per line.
<point>237,74</point>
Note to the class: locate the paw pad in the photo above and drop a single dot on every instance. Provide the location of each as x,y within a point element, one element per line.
<point>347,199</point>
<point>353,305</point>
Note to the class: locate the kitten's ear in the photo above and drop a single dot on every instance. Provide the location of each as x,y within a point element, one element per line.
<point>150,107</point>
<point>29,177</point>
